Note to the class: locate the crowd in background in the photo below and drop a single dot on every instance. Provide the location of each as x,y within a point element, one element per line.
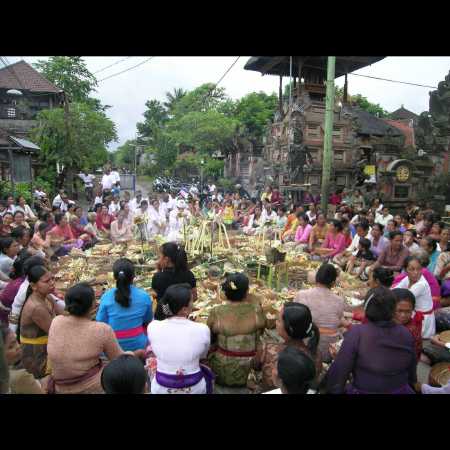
<point>52,345</point>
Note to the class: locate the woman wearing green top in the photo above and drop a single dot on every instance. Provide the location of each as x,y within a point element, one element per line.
<point>235,331</point>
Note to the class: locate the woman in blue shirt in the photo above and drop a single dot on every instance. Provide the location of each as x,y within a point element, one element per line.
<point>126,308</point>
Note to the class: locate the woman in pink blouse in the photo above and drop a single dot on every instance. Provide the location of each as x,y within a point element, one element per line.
<point>334,242</point>
<point>303,231</point>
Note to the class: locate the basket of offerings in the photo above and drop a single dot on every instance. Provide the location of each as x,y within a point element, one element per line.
<point>274,255</point>
<point>440,374</point>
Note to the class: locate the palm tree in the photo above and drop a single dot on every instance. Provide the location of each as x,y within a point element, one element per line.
<point>173,98</point>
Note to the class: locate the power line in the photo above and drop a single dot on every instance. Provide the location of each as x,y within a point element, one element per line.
<point>392,81</point>
<point>126,70</point>
<point>225,74</point>
<point>113,64</point>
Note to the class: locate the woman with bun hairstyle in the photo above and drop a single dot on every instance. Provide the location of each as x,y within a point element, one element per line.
<point>126,308</point>
<point>178,345</point>
<point>296,329</point>
<point>172,269</point>
<point>235,328</point>
<point>379,355</point>
<point>76,343</point>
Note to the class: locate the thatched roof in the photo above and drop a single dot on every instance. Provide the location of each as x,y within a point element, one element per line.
<point>369,124</point>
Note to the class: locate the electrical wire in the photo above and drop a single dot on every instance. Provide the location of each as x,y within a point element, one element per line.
<point>113,64</point>
<point>392,81</point>
<point>126,70</point>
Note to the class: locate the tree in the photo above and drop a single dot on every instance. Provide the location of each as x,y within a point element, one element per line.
<point>85,147</point>
<point>204,98</point>
<point>124,155</point>
<point>155,117</point>
<point>204,131</point>
<point>362,102</point>
<point>173,98</point>
<point>254,110</point>
<point>71,75</point>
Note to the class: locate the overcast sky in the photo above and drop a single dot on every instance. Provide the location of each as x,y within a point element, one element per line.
<point>128,92</point>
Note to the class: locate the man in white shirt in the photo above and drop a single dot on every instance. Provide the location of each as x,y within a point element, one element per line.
<point>64,204</point>
<point>107,181</point>
<point>136,202</point>
<point>115,175</point>
<point>384,217</point>
<point>177,218</point>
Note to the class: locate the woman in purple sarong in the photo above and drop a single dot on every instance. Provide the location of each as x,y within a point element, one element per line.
<point>179,344</point>
<point>379,354</point>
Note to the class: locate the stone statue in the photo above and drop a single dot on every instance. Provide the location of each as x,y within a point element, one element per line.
<point>440,106</point>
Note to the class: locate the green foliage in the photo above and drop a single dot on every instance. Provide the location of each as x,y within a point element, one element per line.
<point>71,75</point>
<point>20,189</point>
<point>254,110</point>
<point>225,183</point>
<point>78,140</point>
<point>372,108</point>
<point>124,155</point>
<point>48,186</point>
<point>173,99</point>
<point>192,162</point>
<point>155,117</point>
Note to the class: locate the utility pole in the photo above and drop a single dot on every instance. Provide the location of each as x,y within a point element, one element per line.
<point>328,138</point>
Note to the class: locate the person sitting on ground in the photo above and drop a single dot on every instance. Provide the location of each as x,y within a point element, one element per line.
<point>384,217</point>
<point>296,328</point>
<point>62,236</point>
<point>327,308</point>
<point>114,207</point>
<point>19,220</point>
<point>435,289</point>
<point>34,321</point>
<point>103,221</point>
<point>380,354</point>
<point>76,344</point>
<point>124,375</point>
<point>394,255</point>
<point>25,209</point>
<point>343,259</point>
<point>254,223</point>
<point>172,269</point>
<point>6,228</point>
<point>41,241</point>
<point>121,231</point>
<point>405,314</point>
<point>22,236</point>
<point>409,241</point>
<point>91,227</point>
<point>319,232</point>
<point>390,227</point>
<point>292,223</point>
<point>444,240</point>
<point>178,345</point>
<point>9,292</point>
<point>9,248</point>
<point>303,232</point>
<point>334,242</point>
<point>430,246</point>
<point>20,381</point>
<point>363,258</point>
<point>235,330</point>
<point>126,308</point>
<point>417,284</point>
<point>295,372</point>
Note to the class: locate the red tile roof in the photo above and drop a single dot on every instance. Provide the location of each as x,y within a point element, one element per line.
<point>22,76</point>
<point>404,127</point>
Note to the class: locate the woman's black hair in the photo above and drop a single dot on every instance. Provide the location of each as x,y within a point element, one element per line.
<point>404,295</point>
<point>5,243</point>
<point>326,275</point>
<point>379,304</point>
<point>365,243</point>
<point>379,225</point>
<point>19,197</point>
<point>384,276</point>
<point>79,299</point>
<point>18,265</point>
<point>363,224</point>
<point>42,226</point>
<point>124,375</point>
<point>18,212</point>
<point>413,232</point>
<point>298,324</point>
<point>97,207</point>
<point>19,232</point>
<point>337,224</point>
<point>32,262</point>
<point>176,254</point>
<point>123,270</point>
<point>394,234</point>
<point>296,370</point>
<point>175,298</point>
<point>58,217</point>
<point>304,217</point>
<point>235,286</point>
<point>432,243</point>
<point>8,214</point>
<point>34,274</point>
<point>410,258</point>
<point>143,202</point>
